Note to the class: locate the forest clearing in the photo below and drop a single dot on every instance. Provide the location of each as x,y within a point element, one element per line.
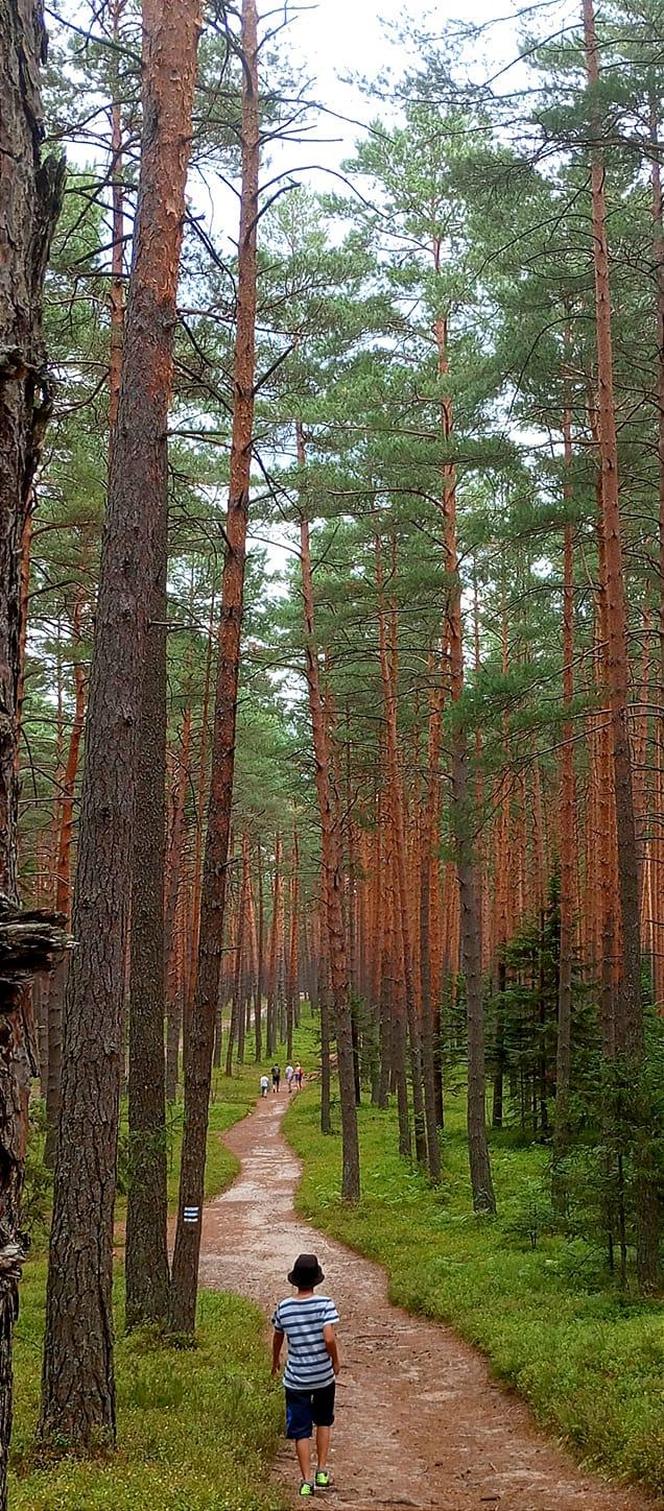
<point>331,754</point>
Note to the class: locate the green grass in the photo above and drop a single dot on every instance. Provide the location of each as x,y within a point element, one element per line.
<point>590,1365</point>
<point>197,1428</point>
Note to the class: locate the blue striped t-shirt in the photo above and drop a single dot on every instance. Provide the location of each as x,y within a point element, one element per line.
<point>302,1319</point>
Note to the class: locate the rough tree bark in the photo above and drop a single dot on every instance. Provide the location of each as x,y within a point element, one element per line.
<point>78,1391</point>
<point>30,195</point>
<point>200,1038</point>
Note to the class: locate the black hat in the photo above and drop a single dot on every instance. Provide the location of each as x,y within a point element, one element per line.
<point>306,1272</point>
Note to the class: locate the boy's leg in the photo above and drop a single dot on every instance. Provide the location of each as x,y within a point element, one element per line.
<point>323,1435</point>
<point>323,1415</point>
<point>303,1450</point>
<point>299,1427</point>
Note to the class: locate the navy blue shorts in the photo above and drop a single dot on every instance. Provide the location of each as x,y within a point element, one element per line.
<point>306,1409</point>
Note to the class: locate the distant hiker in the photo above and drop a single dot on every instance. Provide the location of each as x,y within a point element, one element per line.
<point>307,1322</point>
<point>289,1078</point>
<point>298,1077</point>
<point>265,1086</point>
<point>276,1077</point>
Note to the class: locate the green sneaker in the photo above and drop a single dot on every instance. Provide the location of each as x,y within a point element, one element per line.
<point>306,1488</point>
<point>323,1479</point>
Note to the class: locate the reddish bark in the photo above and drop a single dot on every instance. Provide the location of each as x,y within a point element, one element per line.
<point>200,1042</point>
<point>332,872</point>
<point>462,815</point>
<point>388,676</point>
<point>629,1008</point>
<point>66,792</point>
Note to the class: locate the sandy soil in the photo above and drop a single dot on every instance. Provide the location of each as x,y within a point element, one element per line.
<point>420,1422</point>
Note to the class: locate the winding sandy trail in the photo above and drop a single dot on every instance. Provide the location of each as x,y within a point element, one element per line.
<point>420,1422</point>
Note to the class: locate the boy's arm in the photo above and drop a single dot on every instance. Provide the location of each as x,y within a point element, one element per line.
<point>330,1338</point>
<point>277,1343</point>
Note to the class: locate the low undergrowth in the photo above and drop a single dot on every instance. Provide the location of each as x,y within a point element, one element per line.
<point>197,1428</point>
<point>590,1363</point>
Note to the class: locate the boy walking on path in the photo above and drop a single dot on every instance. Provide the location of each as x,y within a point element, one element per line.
<point>307,1322</point>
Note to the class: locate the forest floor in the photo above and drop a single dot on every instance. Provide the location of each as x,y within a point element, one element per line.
<point>421,1423</point>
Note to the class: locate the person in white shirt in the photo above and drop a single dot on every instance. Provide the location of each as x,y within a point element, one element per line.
<point>289,1078</point>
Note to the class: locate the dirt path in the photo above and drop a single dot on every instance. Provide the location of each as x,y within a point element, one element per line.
<point>420,1423</point>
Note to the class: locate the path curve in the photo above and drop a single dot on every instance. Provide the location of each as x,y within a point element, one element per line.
<point>420,1422</point>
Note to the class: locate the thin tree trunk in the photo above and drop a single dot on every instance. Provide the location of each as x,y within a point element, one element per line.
<point>428,863</point>
<point>66,790</point>
<point>146,1256</point>
<point>399,830</point>
<point>567,826</point>
<point>200,810</point>
<point>174,883</point>
<point>200,1044</point>
<point>260,934</point>
<point>462,820</point>
<point>333,881</point>
<point>293,956</point>
<point>78,1389</point>
<point>116,299</point>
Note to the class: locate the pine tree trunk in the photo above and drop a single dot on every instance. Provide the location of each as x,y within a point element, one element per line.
<point>200,811</point>
<point>630,1044</point>
<point>56,992</point>
<point>146,1256</point>
<point>260,934</point>
<point>293,956</point>
<point>273,954</point>
<point>324,1001</point>
<point>567,828</point>
<point>175,989</point>
<point>200,1041</point>
<point>27,217</point>
<point>428,863</point>
<point>78,1391</point>
<point>658,844</point>
<point>333,881</point>
<point>388,676</point>
<point>116,299</point>
<point>462,821</point>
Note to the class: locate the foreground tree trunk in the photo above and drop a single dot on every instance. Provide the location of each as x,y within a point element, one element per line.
<point>30,194</point>
<point>200,1038</point>
<point>78,1399</point>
